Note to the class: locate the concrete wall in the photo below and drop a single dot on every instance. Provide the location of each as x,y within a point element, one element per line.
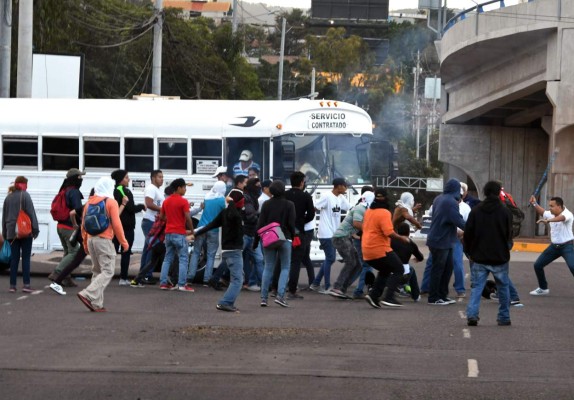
<point>517,157</point>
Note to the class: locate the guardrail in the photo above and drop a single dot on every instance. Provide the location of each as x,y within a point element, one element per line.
<point>402,182</point>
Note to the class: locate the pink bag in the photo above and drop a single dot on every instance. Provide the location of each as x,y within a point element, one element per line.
<point>272,236</point>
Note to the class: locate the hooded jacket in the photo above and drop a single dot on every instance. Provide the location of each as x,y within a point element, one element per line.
<point>488,233</point>
<point>445,217</point>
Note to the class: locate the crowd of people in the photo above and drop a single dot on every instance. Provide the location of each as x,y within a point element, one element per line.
<point>266,238</point>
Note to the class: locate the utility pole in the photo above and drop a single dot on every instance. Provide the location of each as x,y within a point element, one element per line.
<point>433,119</point>
<point>234,20</point>
<point>416,103</point>
<point>281,57</point>
<point>313,84</point>
<point>157,50</point>
<point>5,47</point>
<point>25,30</point>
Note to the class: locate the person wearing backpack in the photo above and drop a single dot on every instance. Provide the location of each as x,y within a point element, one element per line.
<point>19,200</point>
<point>68,199</point>
<point>103,211</point>
<point>128,217</point>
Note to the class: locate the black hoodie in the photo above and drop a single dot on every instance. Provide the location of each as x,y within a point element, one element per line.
<point>488,233</point>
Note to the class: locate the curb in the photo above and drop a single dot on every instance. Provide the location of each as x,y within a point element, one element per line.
<point>529,247</point>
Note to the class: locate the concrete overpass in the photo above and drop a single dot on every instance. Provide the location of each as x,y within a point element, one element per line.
<point>508,99</point>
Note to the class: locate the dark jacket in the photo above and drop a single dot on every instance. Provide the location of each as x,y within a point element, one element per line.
<point>232,235</point>
<point>12,204</point>
<point>128,216</point>
<point>74,202</point>
<point>488,233</point>
<point>250,215</point>
<point>304,208</point>
<point>280,210</point>
<point>406,250</point>
<point>445,217</point>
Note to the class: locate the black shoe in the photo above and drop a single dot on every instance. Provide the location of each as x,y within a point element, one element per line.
<point>215,285</point>
<point>472,321</point>
<point>225,307</point>
<point>503,323</point>
<point>372,302</point>
<point>281,301</point>
<point>294,296</point>
<point>149,280</point>
<point>391,303</point>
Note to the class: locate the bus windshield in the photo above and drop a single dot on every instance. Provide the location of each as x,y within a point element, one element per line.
<point>323,158</point>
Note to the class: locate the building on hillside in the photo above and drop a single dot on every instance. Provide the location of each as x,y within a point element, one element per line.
<point>218,11</point>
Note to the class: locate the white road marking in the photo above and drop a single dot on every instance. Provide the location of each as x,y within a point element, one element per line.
<point>462,314</point>
<point>35,292</point>
<point>466,333</point>
<point>472,368</point>
<point>6,304</point>
<point>22,297</point>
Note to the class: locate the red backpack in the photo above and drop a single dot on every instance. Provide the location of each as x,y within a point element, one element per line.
<point>59,209</point>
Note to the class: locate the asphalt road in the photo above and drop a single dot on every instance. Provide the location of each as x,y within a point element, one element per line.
<point>153,344</point>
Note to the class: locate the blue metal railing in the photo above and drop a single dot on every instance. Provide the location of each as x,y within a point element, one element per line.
<point>478,9</point>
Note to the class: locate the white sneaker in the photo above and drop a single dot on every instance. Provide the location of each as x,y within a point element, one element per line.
<point>57,288</point>
<point>540,292</point>
<point>124,282</point>
<point>254,288</point>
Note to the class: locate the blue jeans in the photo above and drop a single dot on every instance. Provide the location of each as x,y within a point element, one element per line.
<point>425,283</point>
<point>478,276</point>
<point>211,238</point>
<point>458,267</point>
<point>330,258</point>
<point>252,258</point>
<point>284,254</point>
<point>175,244</point>
<point>17,245</point>
<point>551,253</point>
<point>234,261</point>
<point>366,268</point>
<point>146,254</point>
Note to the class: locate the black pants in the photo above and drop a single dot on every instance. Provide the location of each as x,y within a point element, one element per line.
<point>125,260</point>
<point>75,263</point>
<point>298,255</point>
<point>390,270</point>
<point>441,271</point>
<point>155,260</point>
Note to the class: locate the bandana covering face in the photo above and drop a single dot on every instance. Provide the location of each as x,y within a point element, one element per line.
<point>21,186</point>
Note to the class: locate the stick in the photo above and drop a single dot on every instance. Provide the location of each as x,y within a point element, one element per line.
<point>545,174</point>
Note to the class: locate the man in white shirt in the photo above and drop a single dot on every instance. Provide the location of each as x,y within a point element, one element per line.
<point>329,207</point>
<point>265,193</point>
<point>153,198</point>
<point>561,237</point>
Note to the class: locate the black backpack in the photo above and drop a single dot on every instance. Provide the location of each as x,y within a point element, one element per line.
<point>517,216</point>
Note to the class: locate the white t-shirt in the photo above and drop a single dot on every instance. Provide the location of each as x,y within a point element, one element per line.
<point>464,210</point>
<point>262,199</point>
<point>330,207</point>
<point>156,194</point>
<point>560,232</point>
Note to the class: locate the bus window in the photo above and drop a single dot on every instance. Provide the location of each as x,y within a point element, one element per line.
<point>20,151</point>
<point>243,153</point>
<point>206,156</point>
<point>101,153</point>
<point>60,153</point>
<point>172,154</point>
<point>139,154</point>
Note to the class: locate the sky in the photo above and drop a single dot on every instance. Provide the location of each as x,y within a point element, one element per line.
<point>393,4</point>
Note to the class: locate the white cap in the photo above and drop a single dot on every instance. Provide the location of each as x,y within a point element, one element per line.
<point>246,155</point>
<point>219,170</point>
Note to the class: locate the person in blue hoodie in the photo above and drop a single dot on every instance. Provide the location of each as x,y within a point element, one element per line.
<point>441,239</point>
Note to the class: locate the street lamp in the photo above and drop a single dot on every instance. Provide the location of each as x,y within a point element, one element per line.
<point>281,57</point>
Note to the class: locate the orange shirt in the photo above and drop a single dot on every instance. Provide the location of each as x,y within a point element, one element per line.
<point>115,227</point>
<point>377,226</point>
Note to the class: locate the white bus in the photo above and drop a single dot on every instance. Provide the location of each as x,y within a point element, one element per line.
<point>41,139</point>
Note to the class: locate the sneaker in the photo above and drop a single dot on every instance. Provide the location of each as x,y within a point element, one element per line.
<point>540,292</point>
<point>57,288</point>
<point>86,302</point>
<point>69,282</point>
<point>124,282</point>
<point>461,295</point>
<point>27,289</point>
<point>254,288</point>
<point>391,303</point>
<point>273,293</point>
<point>186,288</point>
<point>12,290</point>
<point>100,309</point>
<point>516,303</point>
<point>263,303</point>
<point>472,321</point>
<point>166,286</point>
<point>449,300</point>
<point>216,285</point>
<point>417,299</point>
<point>372,302</point>
<point>135,283</point>
<point>358,296</point>
<point>281,301</point>
<point>503,323</point>
<point>149,280</point>
<point>494,296</point>
<point>225,307</point>
<point>314,288</point>
<point>337,293</point>
<point>403,293</point>
<point>439,302</point>
<point>294,296</point>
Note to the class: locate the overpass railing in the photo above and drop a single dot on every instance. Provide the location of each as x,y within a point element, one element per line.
<point>477,9</point>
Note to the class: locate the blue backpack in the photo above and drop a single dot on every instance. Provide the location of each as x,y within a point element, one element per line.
<point>96,219</point>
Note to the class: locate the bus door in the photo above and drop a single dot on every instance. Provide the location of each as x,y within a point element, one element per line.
<point>248,156</point>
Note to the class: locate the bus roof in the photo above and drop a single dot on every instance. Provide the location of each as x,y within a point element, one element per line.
<point>175,118</point>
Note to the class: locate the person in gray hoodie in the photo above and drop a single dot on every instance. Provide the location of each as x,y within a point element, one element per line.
<point>441,239</point>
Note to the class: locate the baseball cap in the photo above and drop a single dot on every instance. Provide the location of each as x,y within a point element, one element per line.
<point>74,172</point>
<point>219,170</point>
<point>340,181</point>
<point>246,155</point>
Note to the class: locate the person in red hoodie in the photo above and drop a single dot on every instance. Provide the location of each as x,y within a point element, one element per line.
<point>101,246</point>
